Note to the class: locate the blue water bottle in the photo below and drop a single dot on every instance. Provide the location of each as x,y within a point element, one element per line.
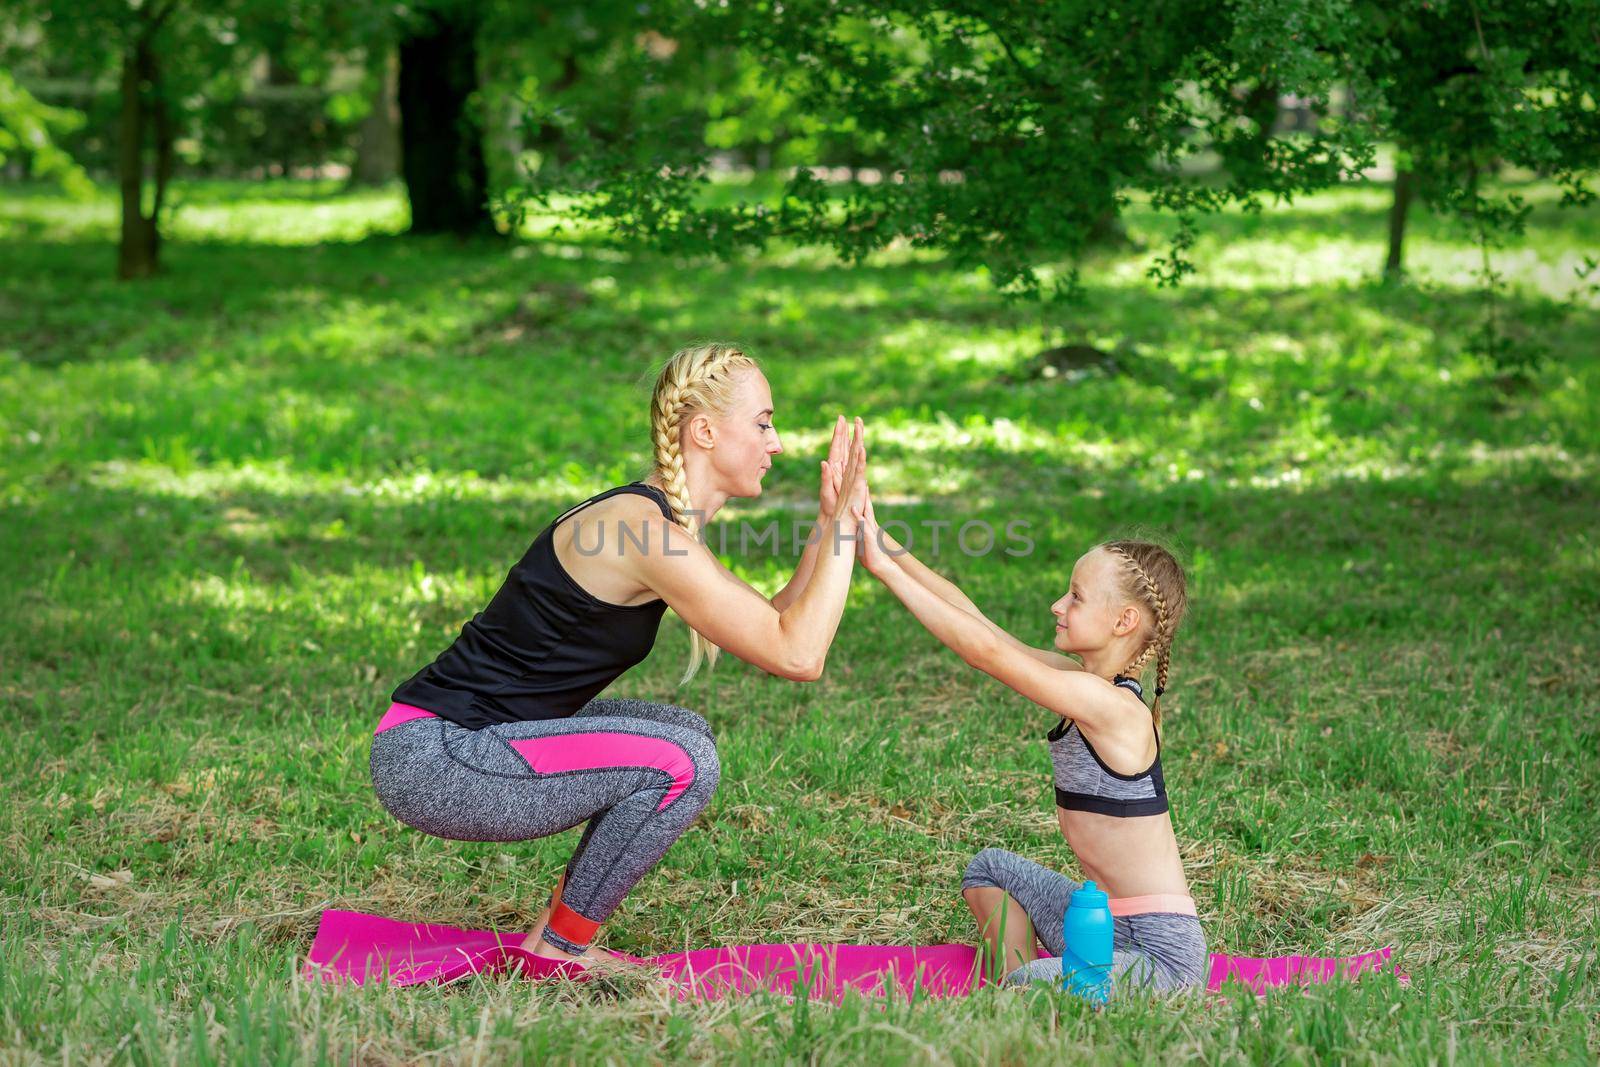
<point>1087,933</point>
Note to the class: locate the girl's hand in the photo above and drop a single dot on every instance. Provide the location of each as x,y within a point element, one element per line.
<point>870,546</point>
<point>833,468</point>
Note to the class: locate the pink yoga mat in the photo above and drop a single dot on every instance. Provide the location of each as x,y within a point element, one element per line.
<point>358,948</point>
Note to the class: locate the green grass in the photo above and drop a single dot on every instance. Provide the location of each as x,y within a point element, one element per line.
<point>240,502</point>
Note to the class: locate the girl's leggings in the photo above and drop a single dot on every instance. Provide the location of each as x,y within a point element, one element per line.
<point>1158,949</point>
<point>638,772</point>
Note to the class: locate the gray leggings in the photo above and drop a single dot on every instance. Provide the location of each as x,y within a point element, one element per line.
<point>1161,951</point>
<point>638,772</point>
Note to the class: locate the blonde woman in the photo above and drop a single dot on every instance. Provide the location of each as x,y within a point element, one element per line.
<point>501,738</point>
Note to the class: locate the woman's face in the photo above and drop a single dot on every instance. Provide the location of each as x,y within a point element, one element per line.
<point>1086,617</point>
<point>746,440</point>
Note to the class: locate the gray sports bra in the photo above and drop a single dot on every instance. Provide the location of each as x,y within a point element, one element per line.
<point>1085,783</point>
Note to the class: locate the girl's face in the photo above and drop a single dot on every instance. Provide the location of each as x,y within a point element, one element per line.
<point>1092,614</point>
<point>745,439</point>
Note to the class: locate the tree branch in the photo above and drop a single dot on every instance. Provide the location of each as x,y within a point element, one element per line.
<point>155,22</point>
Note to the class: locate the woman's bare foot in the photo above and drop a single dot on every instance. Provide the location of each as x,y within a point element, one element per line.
<point>536,943</point>
<point>592,955</point>
<point>536,936</point>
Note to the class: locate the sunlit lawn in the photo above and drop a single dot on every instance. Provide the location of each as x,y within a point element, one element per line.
<point>239,503</point>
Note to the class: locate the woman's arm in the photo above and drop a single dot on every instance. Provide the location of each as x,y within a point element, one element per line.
<point>832,476</point>
<point>951,594</point>
<point>791,643</point>
<point>796,585</point>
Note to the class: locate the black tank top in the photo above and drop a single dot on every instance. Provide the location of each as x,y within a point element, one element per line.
<point>543,647</point>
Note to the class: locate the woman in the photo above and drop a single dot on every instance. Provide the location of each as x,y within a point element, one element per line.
<point>1124,603</point>
<point>500,737</point>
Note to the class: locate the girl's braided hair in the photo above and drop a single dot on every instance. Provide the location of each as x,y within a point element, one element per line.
<point>1153,577</point>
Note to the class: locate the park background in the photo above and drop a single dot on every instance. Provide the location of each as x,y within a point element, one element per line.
<point>312,315</point>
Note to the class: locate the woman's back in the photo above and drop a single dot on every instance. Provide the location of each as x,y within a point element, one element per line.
<point>544,646</point>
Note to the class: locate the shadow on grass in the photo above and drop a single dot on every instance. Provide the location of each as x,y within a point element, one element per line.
<point>794,308</point>
<point>1370,559</point>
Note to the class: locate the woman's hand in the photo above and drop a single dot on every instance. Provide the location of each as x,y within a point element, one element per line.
<point>833,468</point>
<point>851,497</point>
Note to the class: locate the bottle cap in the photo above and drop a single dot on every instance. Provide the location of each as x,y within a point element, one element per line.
<point>1089,895</point>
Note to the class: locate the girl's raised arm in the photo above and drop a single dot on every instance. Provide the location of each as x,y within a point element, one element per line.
<point>951,593</point>
<point>1076,694</point>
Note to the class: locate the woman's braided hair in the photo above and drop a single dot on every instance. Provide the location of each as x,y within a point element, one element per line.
<point>1153,577</point>
<point>698,378</point>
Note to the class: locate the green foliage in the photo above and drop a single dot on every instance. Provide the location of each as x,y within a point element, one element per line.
<point>1465,88</point>
<point>1010,133</point>
<point>204,45</point>
<point>29,129</point>
<point>228,529</point>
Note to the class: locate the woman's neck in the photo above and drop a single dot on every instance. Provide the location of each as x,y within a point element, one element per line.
<point>705,502</point>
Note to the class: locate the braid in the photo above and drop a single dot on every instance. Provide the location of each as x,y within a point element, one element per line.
<point>666,420</point>
<point>1168,610</point>
<point>1163,665</point>
<point>695,379</point>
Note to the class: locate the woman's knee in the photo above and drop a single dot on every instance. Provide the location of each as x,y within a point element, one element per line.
<point>690,720</point>
<point>702,752</point>
<point>634,708</point>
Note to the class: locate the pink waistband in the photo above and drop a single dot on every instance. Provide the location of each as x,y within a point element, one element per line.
<point>1172,903</point>
<point>399,713</point>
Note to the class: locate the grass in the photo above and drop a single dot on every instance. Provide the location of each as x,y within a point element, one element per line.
<point>240,502</point>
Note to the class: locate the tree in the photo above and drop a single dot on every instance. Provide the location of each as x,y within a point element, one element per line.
<point>378,140</point>
<point>140,42</point>
<point>441,128</point>
<point>455,56</point>
<point>1010,132</point>
<point>1466,86</point>
<point>168,58</point>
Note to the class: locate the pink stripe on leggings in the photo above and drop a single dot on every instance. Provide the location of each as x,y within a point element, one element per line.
<point>609,751</point>
<point>399,713</point>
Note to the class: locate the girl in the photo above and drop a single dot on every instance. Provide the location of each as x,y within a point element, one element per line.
<point>500,737</point>
<point>1125,600</point>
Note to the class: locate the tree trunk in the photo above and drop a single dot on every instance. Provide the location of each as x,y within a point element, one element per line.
<point>441,134</point>
<point>1109,230</point>
<point>1405,187</point>
<point>548,139</point>
<point>378,140</point>
<point>139,246</point>
<point>280,145</point>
